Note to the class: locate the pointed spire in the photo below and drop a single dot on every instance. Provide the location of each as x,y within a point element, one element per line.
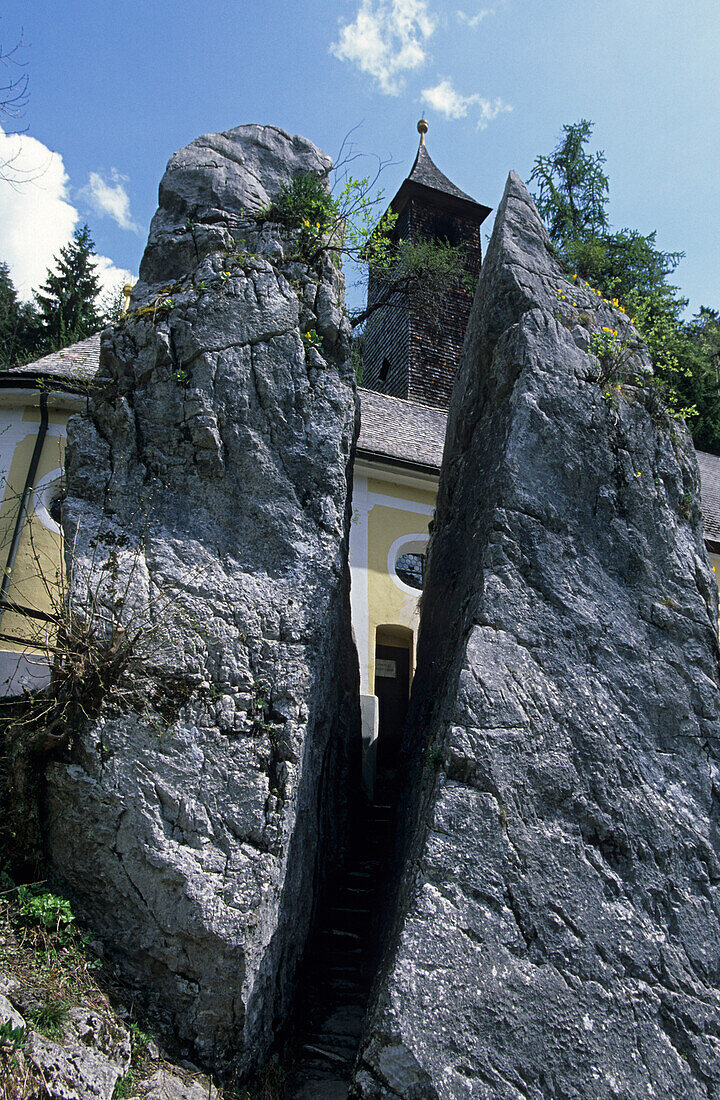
<point>427,173</point>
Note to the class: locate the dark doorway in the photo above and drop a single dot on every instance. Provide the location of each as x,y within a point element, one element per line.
<point>392,687</point>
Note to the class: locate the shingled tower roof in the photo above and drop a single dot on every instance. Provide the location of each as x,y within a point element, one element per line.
<point>427,173</point>
<point>427,184</point>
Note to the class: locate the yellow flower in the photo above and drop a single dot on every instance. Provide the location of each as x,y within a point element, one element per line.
<point>638,474</point>
<point>619,385</point>
<point>574,276</point>
<point>605,328</point>
<point>574,303</point>
<point>306,222</point>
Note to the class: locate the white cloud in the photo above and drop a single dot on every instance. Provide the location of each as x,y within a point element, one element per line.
<point>111,277</point>
<point>36,216</point>
<point>474,20</point>
<point>449,102</point>
<point>110,198</point>
<point>386,39</point>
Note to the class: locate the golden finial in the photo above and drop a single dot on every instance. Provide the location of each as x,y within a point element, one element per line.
<point>127,291</point>
<point>422,129</point>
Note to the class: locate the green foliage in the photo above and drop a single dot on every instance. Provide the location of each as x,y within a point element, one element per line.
<point>66,308</point>
<point>125,1086</point>
<point>306,199</point>
<point>428,268</point>
<point>630,271</point>
<point>50,1018</point>
<point>607,346</point>
<point>139,1042</point>
<point>111,305</point>
<point>54,913</point>
<point>360,235</point>
<point>20,334</point>
<point>699,382</point>
<point>346,224</point>
<point>431,265</point>
<point>67,301</point>
<point>311,339</point>
<point>573,189</point>
<point>12,1038</point>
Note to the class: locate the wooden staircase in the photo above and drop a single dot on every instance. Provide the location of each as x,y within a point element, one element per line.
<point>341,963</point>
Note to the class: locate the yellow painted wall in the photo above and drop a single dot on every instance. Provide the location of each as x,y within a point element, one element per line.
<point>387,603</point>
<point>34,579</point>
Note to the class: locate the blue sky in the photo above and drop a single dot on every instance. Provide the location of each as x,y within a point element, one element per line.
<point>115,88</point>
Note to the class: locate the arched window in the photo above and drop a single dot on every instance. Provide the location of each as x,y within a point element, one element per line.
<point>410,568</point>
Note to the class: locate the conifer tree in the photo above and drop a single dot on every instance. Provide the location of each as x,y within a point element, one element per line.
<point>8,314</point>
<point>20,337</point>
<point>626,265</point>
<point>68,299</point>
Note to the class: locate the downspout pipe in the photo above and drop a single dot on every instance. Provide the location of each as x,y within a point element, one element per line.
<point>24,502</point>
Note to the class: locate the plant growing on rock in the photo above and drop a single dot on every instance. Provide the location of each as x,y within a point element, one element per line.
<point>347,225</point>
<point>96,651</point>
<point>628,271</point>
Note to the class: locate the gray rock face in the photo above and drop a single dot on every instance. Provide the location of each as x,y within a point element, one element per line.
<point>209,189</point>
<point>86,1063</point>
<point>207,519</point>
<point>557,930</point>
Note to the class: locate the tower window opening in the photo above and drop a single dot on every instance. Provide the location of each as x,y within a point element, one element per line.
<point>384,370</point>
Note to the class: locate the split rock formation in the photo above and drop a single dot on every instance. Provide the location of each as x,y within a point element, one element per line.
<point>557,929</point>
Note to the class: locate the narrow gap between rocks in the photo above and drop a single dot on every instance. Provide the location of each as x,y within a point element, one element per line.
<point>344,949</point>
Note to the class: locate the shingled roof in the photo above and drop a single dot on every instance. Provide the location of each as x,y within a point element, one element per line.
<point>401,432</point>
<point>73,366</point>
<point>428,184</point>
<point>393,431</point>
<point>426,172</point>
<point>710,493</point>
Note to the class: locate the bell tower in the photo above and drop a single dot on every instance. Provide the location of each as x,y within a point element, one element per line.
<point>413,345</point>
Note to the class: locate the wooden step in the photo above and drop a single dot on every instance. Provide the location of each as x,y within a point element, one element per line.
<point>330,1055</point>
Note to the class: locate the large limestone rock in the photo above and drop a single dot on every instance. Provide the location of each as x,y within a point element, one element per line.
<point>209,188</point>
<point>557,931</point>
<point>207,520</point>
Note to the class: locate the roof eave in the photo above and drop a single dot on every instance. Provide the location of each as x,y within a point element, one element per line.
<point>27,380</point>
<point>398,463</point>
<point>412,189</point>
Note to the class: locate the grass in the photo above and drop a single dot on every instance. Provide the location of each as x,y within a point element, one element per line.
<point>50,1019</point>
<point>49,958</point>
<point>125,1086</point>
